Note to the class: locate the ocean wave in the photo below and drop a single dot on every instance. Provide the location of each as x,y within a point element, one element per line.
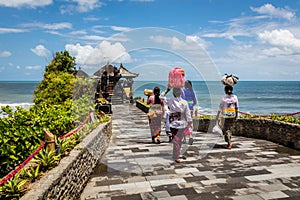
<point>208,111</point>
<point>14,107</point>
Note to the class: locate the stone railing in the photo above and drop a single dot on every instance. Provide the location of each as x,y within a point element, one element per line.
<point>283,133</point>
<point>68,179</point>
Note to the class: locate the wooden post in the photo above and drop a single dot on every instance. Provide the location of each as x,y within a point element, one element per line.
<point>50,140</point>
<point>92,114</point>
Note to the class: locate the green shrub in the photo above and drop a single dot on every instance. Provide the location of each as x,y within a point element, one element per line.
<point>13,188</point>
<point>289,119</point>
<point>31,173</point>
<point>46,159</point>
<point>57,107</point>
<point>22,131</point>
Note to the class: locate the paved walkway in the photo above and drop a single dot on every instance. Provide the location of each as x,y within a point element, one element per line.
<point>133,168</point>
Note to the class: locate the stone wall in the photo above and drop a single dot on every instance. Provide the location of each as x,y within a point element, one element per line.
<point>283,133</point>
<point>68,179</point>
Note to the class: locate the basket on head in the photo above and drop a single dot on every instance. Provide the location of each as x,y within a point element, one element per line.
<point>148,92</point>
<point>230,80</point>
<point>176,78</point>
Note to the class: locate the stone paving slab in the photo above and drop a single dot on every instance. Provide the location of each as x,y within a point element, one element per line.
<point>134,168</point>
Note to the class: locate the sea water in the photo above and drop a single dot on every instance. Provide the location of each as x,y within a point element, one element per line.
<point>255,97</point>
<point>16,94</point>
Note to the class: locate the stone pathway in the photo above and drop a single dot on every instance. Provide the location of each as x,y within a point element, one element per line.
<point>133,168</point>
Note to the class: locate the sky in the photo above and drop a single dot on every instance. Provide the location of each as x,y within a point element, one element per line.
<point>252,39</point>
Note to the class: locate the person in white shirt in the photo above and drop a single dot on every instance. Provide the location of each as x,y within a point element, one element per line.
<point>179,119</point>
<point>228,109</point>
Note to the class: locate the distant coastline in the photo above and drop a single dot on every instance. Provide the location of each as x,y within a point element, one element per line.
<point>19,81</point>
<point>256,97</point>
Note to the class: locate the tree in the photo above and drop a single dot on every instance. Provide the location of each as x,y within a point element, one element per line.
<point>58,82</point>
<point>62,62</point>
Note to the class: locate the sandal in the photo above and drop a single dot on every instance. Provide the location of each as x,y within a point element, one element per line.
<point>183,157</point>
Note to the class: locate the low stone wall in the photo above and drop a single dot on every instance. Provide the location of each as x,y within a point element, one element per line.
<point>68,179</point>
<point>283,133</point>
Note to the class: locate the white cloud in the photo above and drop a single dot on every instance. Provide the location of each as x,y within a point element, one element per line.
<point>273,51</point>
<point>57,26</point>
<point>259,43</point>
<point>104,52</point>
<point>96,29</point>
<point>5,54</point>
<point>230,34</point>
<point>54,26</point>
<point>91,18</point>
<point>81,6</point>
<point>93,37</point>
<point>41,51</point>
<point>55,33</point>
<point>36,67</point>
<point>198,40</point>
<point>25,3</point>
<point>119,28</point>
<point>173,42</point>
<point>87,5</point>
<point>11,30</point>
<point>279,37</point>
<point>249,26</point>
<point>190,42</point>
<point>114,52</point>
<point>282,41</point>
<point>270,10</point>
<point>103,29</point>
<point>79,32</point>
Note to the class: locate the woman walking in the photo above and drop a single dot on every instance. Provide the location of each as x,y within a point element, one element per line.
<point>228,109</point>
<point>155,115</point>
<point>179,118</point>
<point>188,94</point>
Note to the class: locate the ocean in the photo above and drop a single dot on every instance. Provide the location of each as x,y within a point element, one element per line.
<point>255,97</point>
<point>17,93</point>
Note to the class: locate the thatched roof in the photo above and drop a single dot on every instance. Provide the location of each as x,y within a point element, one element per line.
<point>125,73</point>
<point>80,73</point>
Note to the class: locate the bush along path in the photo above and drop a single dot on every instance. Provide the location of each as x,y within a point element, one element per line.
<point>16,183</point>
<point>60,103</point>
<point>43,143</point>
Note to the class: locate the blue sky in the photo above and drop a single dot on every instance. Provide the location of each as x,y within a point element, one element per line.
<point>253,39</point>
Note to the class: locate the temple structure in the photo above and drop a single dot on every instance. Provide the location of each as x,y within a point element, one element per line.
<point>114,84</point>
